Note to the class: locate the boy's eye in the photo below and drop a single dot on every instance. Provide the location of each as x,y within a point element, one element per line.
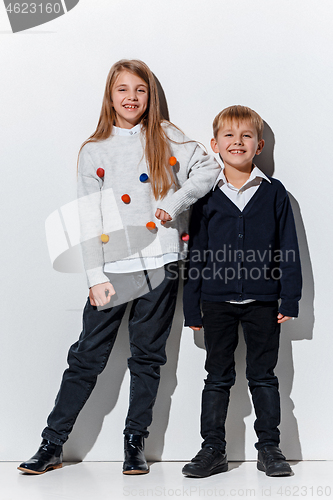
<point>247,135</point>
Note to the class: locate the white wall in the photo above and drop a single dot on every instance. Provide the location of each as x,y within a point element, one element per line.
<point>275,57</point>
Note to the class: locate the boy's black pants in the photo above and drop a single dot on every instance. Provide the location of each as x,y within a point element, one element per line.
<point>149,327</point>
<point>261,333</point>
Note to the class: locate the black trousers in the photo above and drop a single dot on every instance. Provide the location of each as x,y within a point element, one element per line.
<point>149,326</point>
<point>261,333</point>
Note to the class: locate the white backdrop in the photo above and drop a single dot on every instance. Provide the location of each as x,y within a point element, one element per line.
<point>275,57</point>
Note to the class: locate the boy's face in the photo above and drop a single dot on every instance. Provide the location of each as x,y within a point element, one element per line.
<point>237,144</point>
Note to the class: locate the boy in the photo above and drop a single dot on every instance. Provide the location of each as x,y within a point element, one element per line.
<point>243,258</point>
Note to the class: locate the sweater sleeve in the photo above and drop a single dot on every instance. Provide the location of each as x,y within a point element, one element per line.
<point>195,265</point>
<point>201,172</point>
<point>91,221</point>
<point>290,265</point>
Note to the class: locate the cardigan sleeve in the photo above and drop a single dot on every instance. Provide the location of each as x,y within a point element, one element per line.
<point>290,265</point>
<point>199,171</point>
<point>195,264</point>
<point>91,220</point>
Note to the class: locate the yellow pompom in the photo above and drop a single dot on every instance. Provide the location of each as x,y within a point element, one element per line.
<point>104,238</point>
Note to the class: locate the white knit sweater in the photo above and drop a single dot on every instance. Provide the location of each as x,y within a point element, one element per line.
<point>102,210</point>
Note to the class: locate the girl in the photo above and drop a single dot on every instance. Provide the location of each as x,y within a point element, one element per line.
<point>134,171</point>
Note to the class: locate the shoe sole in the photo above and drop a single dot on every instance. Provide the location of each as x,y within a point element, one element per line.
<point>262,468</point>
<point>51,467</point>
<point>222,468</point>
<point>134,472</point>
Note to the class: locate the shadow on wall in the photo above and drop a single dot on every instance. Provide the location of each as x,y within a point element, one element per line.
<point>240,405</point>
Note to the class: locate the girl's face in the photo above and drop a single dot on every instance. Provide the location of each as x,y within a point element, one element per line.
<point>129,99</point>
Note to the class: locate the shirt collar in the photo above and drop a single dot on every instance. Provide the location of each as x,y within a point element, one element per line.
<point>126,131</point>
<point>256,172</point>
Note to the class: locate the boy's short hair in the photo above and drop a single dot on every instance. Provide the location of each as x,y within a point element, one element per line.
<point>238,113</point>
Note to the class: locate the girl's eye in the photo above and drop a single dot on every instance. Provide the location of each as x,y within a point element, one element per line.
<point>141,90</point>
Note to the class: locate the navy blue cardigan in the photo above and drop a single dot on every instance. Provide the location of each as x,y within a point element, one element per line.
<point>238,255</point>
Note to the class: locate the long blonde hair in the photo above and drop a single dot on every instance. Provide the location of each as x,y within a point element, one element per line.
<point>157,150</point>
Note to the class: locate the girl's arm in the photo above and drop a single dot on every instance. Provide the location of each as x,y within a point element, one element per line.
<point>91,222</point>
<point>196,172</point>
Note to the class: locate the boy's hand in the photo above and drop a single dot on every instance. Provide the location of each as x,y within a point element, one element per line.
<point>282,319</point>
<point>196,327</point>
<point>162,216</point>
<point>100,294</point>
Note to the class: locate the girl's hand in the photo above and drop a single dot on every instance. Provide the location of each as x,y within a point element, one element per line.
<point>162,216</point>
<point>281,318</point>
<point>196,327</point>
<point>100,294</point>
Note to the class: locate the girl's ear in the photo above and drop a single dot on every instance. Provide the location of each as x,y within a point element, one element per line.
<point>214,145</point>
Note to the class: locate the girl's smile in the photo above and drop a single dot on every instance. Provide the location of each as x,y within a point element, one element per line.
<point>129,99</point>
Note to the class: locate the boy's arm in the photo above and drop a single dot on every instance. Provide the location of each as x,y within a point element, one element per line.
<point>290,265</point>
<point>195,265</point>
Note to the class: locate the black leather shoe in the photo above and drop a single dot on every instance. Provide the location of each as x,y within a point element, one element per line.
<point>273,462</point>
<point>207,462</point>
<point>135,462</point>
<point>48,457</point>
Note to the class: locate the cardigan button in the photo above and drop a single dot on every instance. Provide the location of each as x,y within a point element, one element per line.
<point>100,172</point>
<point>185,236</point>
<point>240,235</point>
<point>172,161</point>
<point>104,238</point>
<point>143,177</point>
<point>150,225</point>
<point>126,198</point>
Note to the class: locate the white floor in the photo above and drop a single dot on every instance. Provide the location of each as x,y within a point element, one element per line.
<point>104,480</point>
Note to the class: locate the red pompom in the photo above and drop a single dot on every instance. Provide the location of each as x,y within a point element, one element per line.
<point>100,172</point>
<point>126,198</point>
<point>172,161</point>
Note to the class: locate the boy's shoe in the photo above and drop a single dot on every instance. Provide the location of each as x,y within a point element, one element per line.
<point>48,457</point>
<point>207,462</point>
<point>135,461</point>
<point>273,462</point>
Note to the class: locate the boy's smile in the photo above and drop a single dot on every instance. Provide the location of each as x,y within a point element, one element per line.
<point>129,99</point>
<point>237,143</point>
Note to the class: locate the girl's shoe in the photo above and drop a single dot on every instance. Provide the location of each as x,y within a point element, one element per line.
<point>48,457</point>
<point>135,461</point>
